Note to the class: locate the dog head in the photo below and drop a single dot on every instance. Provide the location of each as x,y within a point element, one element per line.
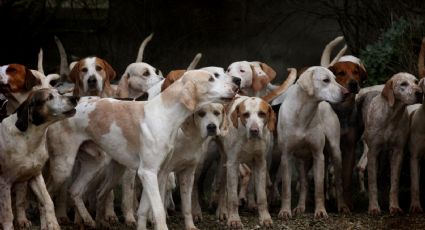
<point>16,78</point>
<point>253,75</point>
<point>44,106</point>
<point>201,87</point>
<point>256,115</point>
<point>91,76</point>
<point>220,74</point>
<point>208,120</point>
<point>402,87</point>
<point>319,82</point>
<point>138,77</point>
<point>350,75</point>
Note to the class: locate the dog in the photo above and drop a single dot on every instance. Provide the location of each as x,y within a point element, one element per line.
<point>386,129</point>
<point>249,137</point>
<point>130,133</point>
<point>305,123</point>
<point>352,76</point>
<point>23,150</point>
<point>190,145</point>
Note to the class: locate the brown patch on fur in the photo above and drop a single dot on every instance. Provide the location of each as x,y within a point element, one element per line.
<point>348,71</point>
<point>270,115</point>
<point>107,113</point>
<point>21,78</point>
<point>259,82</point>
<point>171,77</point>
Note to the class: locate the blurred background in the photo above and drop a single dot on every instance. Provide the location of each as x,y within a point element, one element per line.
<point>281,33</point>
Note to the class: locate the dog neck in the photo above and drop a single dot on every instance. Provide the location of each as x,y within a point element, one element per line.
<point>34,135</point>
<point>300,114</point>
<point>391,113</point>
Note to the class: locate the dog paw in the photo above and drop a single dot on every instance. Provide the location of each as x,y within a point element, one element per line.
<point>221,214</point>
<point>284,214</point>
<point>395,211</point>
<point>23,223</point>
<point>51,225</point>
<point>197,218</point>
<point>416,208</point>
<point>320,213</point>
<point>374,211</point>
<point>112,219</point>
<point>130,222</point>
<point>299,210</point>
<point>234,224</point>
<point>267,223</point>
<point>251,206</point>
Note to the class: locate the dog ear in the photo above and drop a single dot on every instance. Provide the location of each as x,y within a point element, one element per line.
<point>122,89</point>
<point>110,72</point>
<point>188,124</point>
<point>388,92</point>
<point>363,74</point>
<point>22,112</point>
<point>305,81</point>
<point>271,74</point>
<point>74,75</point>
<point>234,117</point>
<point>271,119</point>
<point>259,81</point>
<point>171,77</point>
<point>189,95</point>
<point>30,79</point>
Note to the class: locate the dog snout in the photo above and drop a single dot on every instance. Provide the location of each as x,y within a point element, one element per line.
<point>92,81</point>
<point>353,86</point>
<point>236,81</point>
<point>211,129</point>
<point>254,131</point>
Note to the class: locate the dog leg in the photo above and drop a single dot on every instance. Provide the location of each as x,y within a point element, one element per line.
<point>302,170</point>
<point>285,210</point>
<point>21,205</point>
<point>245,174</point>
<point>348,149</point>
<point>234,220</point>
<point>251,204</point>
<point>372,167</point>
<point>150,186</point>
<point>319,176</point>
<point>260,176</point>
<point>415,170</point>
<point>6,213</point>
<point>142,211</point>
<point>128,197</point>
<point>61,204</point>
<point>396,161</point>
<point>186,178</point>
<point>46,204</point>
<point>110,215</point>
<point>337,163</point>
<point>196,207</point>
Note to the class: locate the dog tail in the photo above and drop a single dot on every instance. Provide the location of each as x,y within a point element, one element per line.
<point>339,55</point>
<point>40,61</point>
<point>64,68</point>
<point>421,59</point>
<point>283,87</point>
<point>195,61</point>
<point>142,48</point>
<point>326,55</point>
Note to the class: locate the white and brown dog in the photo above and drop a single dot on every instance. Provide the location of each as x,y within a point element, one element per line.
<point>23,150</point>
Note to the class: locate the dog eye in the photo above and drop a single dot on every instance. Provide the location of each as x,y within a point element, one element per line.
<point>404,83</point>
<point>261,114</point>
<point>245,115</point>
<point>157,71</point>
<point>242,71</point>
<point>327,80</point>
<point>416,82</point>
<point>217,113</point>
<point>211,79</point>
<point>146,73</point>
<point>98,68</point>
<point>216,75</point>
<point>84,70</point>
<point>201,113</point>
<point>50,97</point>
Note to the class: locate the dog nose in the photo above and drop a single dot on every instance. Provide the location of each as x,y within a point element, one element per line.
<point>211,128</point>
<point>92,80</point>
<point>74,99</point>
<point>237,81</point>
<point>254,132</point>
<point>353,87</point>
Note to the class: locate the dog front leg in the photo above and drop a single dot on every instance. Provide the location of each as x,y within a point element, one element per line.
<point>348,149</point>
<point>319,176</point>
<point>415,171</point>
<point>6,213</point>
<point>285,210</point>
<point>339,173</point>
<point>260,174</point>
<point>21,205</point>
<point>396,161</point>
<point>372,167</point>
<point>302,170</point>
<point>234,221</point>
<point>46,204</point>
<point>186,178</point>
<point>128,197</point>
